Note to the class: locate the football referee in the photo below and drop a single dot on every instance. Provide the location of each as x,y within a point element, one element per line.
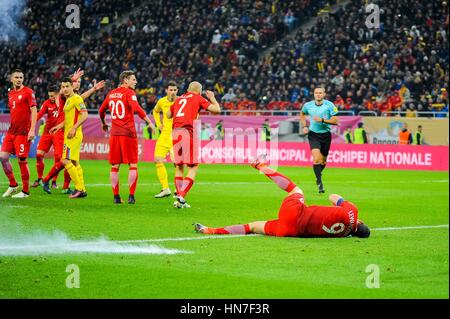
<point>322,114</point>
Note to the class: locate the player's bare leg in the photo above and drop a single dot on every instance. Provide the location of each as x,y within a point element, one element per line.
<point>161,172</point>
<point>7,168</point>
<point>132,182</point>
<point>244,229</point>
<point>318,166</point>
<point>114,178</point>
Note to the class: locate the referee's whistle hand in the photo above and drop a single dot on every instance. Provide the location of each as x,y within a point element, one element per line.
<point>305,130</point>
<point>317,119</point>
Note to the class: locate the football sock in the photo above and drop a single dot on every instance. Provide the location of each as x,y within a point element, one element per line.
<point>57,160</point>
<point>66,180</point>
<point>81,177</point>
<point>178,184</point>
<point>40,165</point>
<point>282,181</point>
<point>234,229</point>
<point>187,184</point>
<point>132,179</point>
<point>56,168</point>
<point>114,177</point>
<point>7,168</point>
<point>73,172</point>
<point>318,172</point>
<point>322,167</point>
<point>162,175</point>
<point>25,174</point>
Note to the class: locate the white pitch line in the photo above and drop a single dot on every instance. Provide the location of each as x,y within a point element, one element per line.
<point>154,240</point>
<point>411,227</point>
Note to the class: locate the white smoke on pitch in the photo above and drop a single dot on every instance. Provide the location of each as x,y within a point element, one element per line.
<point>41,243</point>
<point>10,14</point>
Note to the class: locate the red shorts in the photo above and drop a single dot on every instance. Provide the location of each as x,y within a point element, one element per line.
<point>185,148</point>
<point>16,144</point>
<point>289,217</point>
<point>57,140</point>
<point>123,149</point>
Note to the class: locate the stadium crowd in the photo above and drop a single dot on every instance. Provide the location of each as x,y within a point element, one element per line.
<point>239,49</point>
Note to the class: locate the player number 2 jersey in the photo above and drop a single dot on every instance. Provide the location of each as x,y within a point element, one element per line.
<point>186,108</point>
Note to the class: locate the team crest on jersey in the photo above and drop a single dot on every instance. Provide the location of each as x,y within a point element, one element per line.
<point>134,98</point>
<point>20,97</point>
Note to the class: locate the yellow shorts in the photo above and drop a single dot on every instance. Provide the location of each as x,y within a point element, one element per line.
<point>164,146</point>
<point>72,147</point>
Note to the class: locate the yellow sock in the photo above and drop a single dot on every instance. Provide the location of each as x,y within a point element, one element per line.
<point>73,172</point>
<point>162,175</point>
<point>81,177</point>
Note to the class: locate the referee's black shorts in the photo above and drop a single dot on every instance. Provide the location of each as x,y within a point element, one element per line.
<point>321,141</point>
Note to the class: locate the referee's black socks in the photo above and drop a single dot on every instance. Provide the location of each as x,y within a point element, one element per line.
<point>318,171</point>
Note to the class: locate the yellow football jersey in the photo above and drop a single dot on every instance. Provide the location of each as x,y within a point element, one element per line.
<point>74,105</point>
<point>163,105</point>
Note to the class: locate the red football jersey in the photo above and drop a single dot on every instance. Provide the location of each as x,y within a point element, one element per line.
<point>122,103</point>
<point>185,109</point>
<point>329,221</point>
<point>55,113</point>
<point>20,102</point>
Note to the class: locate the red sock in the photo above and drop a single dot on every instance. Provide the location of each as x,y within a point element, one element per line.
<point>67,179</point>
<point>132,179</point>
<point>56,168</point>
<point>178,184</point>
<point>187,184</point>
<point>114,177</point>
<point>7,168</point>
<point>40,165</point>
<point>235,229</point>
<point>25,174</point>
<point>282,181</point>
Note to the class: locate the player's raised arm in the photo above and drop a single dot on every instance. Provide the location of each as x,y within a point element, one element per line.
<point>214,107</point>
<point>95,87</point>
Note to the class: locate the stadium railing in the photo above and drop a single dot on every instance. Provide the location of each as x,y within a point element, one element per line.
<point>418,114</point>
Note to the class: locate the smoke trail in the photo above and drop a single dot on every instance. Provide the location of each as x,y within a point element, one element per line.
<point>10,14</point>
<point>16,240</point>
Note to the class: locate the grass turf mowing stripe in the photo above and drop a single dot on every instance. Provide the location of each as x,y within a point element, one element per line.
<point>117,246</point>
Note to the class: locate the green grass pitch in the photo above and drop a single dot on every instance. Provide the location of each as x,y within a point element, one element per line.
<point>412,263</point>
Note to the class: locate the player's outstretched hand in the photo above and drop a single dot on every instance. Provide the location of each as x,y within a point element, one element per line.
<point>78,74</point>
<point>98,86</point>
<point>305,130</point>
